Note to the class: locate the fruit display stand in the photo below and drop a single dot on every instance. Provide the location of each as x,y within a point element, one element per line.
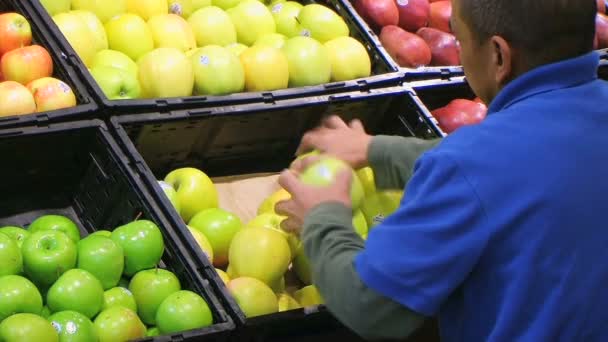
<point>86,108</point>
<point>383,73</point>
<point>77,170</point>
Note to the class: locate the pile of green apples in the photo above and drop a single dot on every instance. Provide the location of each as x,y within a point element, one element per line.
<point>178,48</point>
<point>55,286</point>
<point>265,268</point>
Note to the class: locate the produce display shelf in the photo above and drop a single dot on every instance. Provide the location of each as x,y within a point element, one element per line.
<point>63,69</point>
<point>383,74</point>
<point>77,170</point>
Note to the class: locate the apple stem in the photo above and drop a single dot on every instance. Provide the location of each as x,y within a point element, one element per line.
<point>296,18</point>
<point>138,216</point>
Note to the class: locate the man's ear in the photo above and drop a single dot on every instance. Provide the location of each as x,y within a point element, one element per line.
<point>502,60</point>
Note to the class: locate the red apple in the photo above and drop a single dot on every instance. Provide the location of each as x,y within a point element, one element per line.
<point>441,11</point>
<point>601,30</point>
<point>601,6</point>
<point>445,49</point>
<point>15,99</point>
<point>26,64</point>
<point>413,14</point>
<point>15,32</point>
<point>51,93</point>
<point>406,48</point>
<point>378,13</point>
<point>478,100</point>
<point>458,113</point>
<point>431,1</point>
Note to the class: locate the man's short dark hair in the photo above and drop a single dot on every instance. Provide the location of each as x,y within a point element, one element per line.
<point>545,30</point>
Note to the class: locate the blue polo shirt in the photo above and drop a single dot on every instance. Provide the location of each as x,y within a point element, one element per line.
<point>503,232</point>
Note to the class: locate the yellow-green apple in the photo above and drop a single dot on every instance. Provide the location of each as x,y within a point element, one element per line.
<point>150,288</point>
<point>301,266</point>
<point>322,23</point>
<point>27,327</point>
<point>47,254</point>
<point>252,20</point>
<point>116,84</point>
<point>212,26</point>
<point>26,64</point>
<point>152,331</point>
<point>78,34</point>
<point>104,10</point>
<point>379,205</point>
<point>219,227</point>
<point>118,296</point>
<point>17,295</point>
<point>118,324</point>
<point>15,31</point>
<point>260,253</point>
<point>349,59</point>
<point>105,233</point>
<point>230,272</point>
<point>225,4</point>
<point>366,176</point>
<point>323,173</point>
<point>98,32</point>
<point>15,99</point>
<point>171,194</point>
<point>76,290</point>
<point>270,220</point>
<point>223,275</point>
<point>217,71</point>
<point>103,258</point>
<point>56,222</point>
<point>181,311</point>
<point>165,72</point>
<point>18,234</point>
<point>142,245</point>
<point>46,312</point>
<point>253,296</point>
<point>202,242</point>
<point>309,62</point>
<point>360,224</point>
<point>286,18</point>
<point>195,191</point>
<point>56,6</point>
<point>196,4</point>
<point>114,59</point>
<point>269,203</point>
<point>130,35</point>
<point>275,40</point>
<point>183,8</point>
<point>146,9</point>
<point>11,261</point>
<point>171,30</point>
<point>237,48</point>
<point>51,94</point>
<point>308,296</point>
<point>73,326</point>
<point>287,302</point>
<point>266,68</point>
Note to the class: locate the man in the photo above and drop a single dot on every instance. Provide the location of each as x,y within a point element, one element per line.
<point>501,232</point>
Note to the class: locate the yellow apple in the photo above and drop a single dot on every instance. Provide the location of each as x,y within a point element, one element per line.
<point>203,242</point>
<point>183,8</point>
<point>236,48</point>
<point>98,32</point>
<point>366,176</point>
<point>171,30</point>
<point>225,4</point>
<point>287,302</point>
<point>275,40</point>
<point>379,205</point>
<point>78,34</point>
<point>196,4</point>
<point>252,20</point>
<point>223,275</point>
<point>103,9</point>
<point>130,35</point>
<point>15,99</point>
<point>269,203</point>
<point>308,296</point>
<point>266,68</point>
<point>273,221</point>
<point>212,26</point>
<point>253,296</point>
<point>301,266</point>
<point>146,9</point>
<point>349,59</point>
<point>359,223</point>
<point>217,71</point>
<point>114,59</point>
<point>56,6</point>
<point>165,72</point>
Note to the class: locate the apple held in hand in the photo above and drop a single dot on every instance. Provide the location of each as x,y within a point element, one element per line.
<point>366,176</point>
<point>114,59</point>
<point>322,23</point>
<point>15,31</point>
<point>406,48</point>
<point>73,326</point>
<point>181,311</point>
<point>445,49</point>
<point>147,9</point>
<point>115,83</point>
<point>47,254</point>
<point>26,64</point>
<point>104,10</point>
<point>219,227</point>
<point>378,13</point>
<point>130,35</point>
<point>118,324</point>
<point>286,18</point>
<point>308,61</point>
<point>458,113</point>
<point>103,258</point>
<point>349,59</point>
<point>27,327</point>
<point>51,94</point>
<point>17,295</point>
<point>15,99</point>
<point>251,20</point>
<point>118,296</point>
<point>78,34</point>
<point>76,290</point>
<point>266,68</point>
<point>56,222</point>
<point>212,26</point>
<point>217,71</point>
<point>11,261</point>
<point>171,30</point>
<point>165,72</point>
<point>253,296</point>
<point>195,191</point>
<point>18,234</point>
<point>150,288</point>
<point>142,245</point>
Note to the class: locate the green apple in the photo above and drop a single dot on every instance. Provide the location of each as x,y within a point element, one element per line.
<point>266,68</point>
<point>73,326</point>
<point>217,71</point>
<point>171,30</point>
<point>181,311</point>
<point>195,191</point>
<point>252,20</point>
<point>46,312</point>
<point>275,40</point>
<point>47,254</point>
<point>223,275</point>
<point>349,59</point>
<point>366,176</point>
<point>219,226</point>
<point>152,331</point>
<point>76,290</point>
<point>309,62</point>
<point>287,302</point>
<point>118,324</point>
<point>27,327</point>
<point>116,84</point>
<point>171,194</point>
<point>56,6</point>
<point>18,294</point>
<point>56,222</point>
<point>212,26</point>
<point>150,288</point>
<point>18,234</point>
<point>130,35</point>
<point>103,258</point>
<point>285,16</point>
<point>11,261</point>
<point>114,59</point>
<point>253,296</point>
<point>379,205</point>
<point>237,48</point>
<point>196,4</point>
<point>301,266</point>
<point>202,242</point>
<point>165,72</point>
<point>308,296</point>
<point>142,245</point>
<point>104,10</point>
<point>322,23</point>
<point>105,233</point>
<point>147,9</point>
<point>98,32</point>
<point>324,172</point>
<point>124,282</point>
<point>360,224</point>
<point>225,4</point>
<point>78,34</point>
<point>118,296</point>
<point>183,8</point>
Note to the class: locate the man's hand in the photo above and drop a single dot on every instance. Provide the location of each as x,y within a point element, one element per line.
<point>347,142</point>
<point>306,197</point>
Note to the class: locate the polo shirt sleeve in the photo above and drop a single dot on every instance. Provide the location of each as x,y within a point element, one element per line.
<point>419,255</point>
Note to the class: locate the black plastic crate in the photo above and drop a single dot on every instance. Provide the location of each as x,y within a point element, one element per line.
<point>86,107</point>
<point>383,74</point>
<point>603,69</point>
<point>77,170</point>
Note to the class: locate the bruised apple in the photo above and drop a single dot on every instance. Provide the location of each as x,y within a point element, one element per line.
<point>445,49</point>
<point>406,48</point>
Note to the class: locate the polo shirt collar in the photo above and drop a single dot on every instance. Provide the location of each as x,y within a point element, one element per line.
<point>546,78</point>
